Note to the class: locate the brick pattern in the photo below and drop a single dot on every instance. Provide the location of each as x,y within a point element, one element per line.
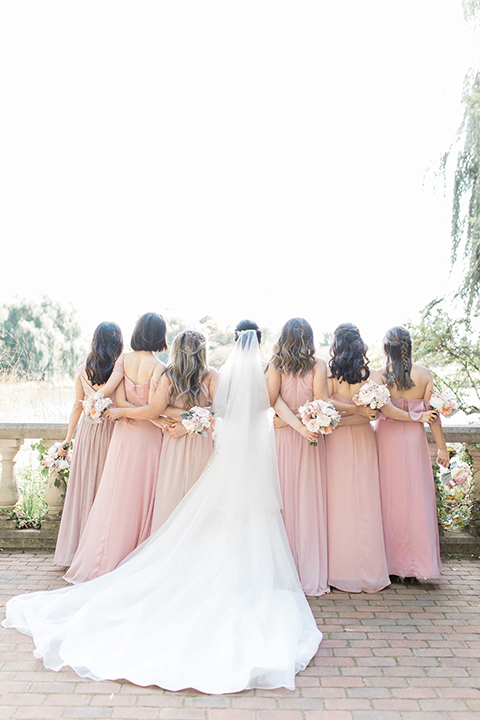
<point>407,653</point>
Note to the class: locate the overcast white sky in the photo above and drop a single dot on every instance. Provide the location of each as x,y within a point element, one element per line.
<point>237,159</point>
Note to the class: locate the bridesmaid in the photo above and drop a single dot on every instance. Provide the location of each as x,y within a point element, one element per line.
<point>407,487</point>
<point>356,548</point>
<point>295,376</point>
<point>187,382</point>
<point>100,373</point>
<point>121,516</point>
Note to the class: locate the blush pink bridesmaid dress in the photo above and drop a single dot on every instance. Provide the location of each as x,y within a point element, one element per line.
<point>356,548</point>
<point>182,462</point>
<point>301,468</point>
<point>408,494</point>
<point>121,516</point>
<point>92,441</point>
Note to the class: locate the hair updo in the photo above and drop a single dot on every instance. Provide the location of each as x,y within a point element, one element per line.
<point>349,362</point>
<point>294,351</point>
<point>247,325</point>
<point>397,344</point>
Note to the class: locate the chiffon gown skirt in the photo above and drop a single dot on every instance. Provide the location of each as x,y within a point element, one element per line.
<point>182,462</point>
<point>211,601</point>
<point>90,452</point>
<point>356,548</point>
<point>408,494</point>
<point>302,471</point>
<point>121,516</point>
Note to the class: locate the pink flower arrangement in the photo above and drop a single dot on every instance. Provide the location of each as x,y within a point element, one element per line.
<point>319,416</point>
<point>198,420</point>
<point>443,402</point>
<point>54,461</point>
<point>373,395</point>
<point>95,406</point>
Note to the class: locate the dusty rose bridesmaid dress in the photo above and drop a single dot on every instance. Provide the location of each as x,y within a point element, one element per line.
<point>302,472</point>
<point>182,462</point>
<point>92,441</point>
<point>356,548</point>
<point>121,516</point>
<point>407,491</point>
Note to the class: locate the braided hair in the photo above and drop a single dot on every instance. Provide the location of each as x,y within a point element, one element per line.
<point>397,344</point>
<point>349,360</point>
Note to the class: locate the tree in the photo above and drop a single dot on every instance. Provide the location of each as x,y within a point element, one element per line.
<point>40,339</point>
<point>450,348</point>
<point>465,228</point>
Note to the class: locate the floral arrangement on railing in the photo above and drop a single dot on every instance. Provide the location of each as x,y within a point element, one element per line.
<point>453,489</point>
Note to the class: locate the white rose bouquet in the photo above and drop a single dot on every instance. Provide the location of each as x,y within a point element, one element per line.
<point>53,461</point>
<point>443,402</point>
<point>198,420</point>
<point>319,416</point>
<point>373,395</point>
<point>95,406</point>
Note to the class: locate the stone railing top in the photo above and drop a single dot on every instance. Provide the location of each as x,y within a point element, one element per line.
<point>469,434</point>
<point>47,431</point>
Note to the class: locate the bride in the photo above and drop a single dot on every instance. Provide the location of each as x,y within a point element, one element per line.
<point>212,600</point>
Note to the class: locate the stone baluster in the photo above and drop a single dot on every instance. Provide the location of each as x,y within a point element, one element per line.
<point>474,525</point>
<point>9,494</point>
<point>54,495</point>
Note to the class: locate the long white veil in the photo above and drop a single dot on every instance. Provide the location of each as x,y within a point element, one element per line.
<point>212,600</point>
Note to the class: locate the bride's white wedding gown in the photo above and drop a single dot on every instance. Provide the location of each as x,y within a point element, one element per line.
<point>212,600</point>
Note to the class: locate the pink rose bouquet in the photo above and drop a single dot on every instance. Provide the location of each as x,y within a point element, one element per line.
<point>319,416</point>
<point>53,461</point>
<point>95,406</point>
<point>443,402</point>
<point>373,395</point>
<point>198,420</point>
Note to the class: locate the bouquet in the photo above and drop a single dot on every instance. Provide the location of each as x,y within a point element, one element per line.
<point>443,402</point>
<point>53,461</point>
<point>319,416</point>
<point>373,395</point>
<point>95,406</point>
<point>198,420</point>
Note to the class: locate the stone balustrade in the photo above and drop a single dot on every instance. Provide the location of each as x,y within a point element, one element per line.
<point>13,435</point>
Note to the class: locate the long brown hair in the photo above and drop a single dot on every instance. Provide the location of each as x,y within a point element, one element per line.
<point>187,368</point>
<point>294,351</point>
<point>107,345</point>
<point>397,344</point>
<point>349,360</point>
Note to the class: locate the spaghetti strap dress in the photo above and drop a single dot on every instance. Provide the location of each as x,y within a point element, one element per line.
<point>121,516</point>
<point>182,462</point>
<point>302,472</point>
<point>92,441</point>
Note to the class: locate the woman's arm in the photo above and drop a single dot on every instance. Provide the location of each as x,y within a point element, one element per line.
<point>75,414</point>
<point>284,412</point>
<point>274,381</point>
<point>153,410</point>
<point>115,378</point>
<point>443,457</point>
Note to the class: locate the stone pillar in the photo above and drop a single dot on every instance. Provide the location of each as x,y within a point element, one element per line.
<point>9,494</point>
<point>55,496</point>
<point>474,525</point>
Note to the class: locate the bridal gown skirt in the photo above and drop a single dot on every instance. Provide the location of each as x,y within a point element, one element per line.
<point>407,491</point>
<point>211,601</point>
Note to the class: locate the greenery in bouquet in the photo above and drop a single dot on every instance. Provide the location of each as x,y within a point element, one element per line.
<point>51,460</point>
<point>453,489</point>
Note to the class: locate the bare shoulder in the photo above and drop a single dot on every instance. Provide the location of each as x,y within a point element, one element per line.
<point>421,372</point>
<point>376,376</point>
<point>160,368</point>
<point>320,366</point>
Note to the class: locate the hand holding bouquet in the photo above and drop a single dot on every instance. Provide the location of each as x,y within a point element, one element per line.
<point>198,420</point>
<point>319,416</point>
<point>443,402</point>
<point>373,395</point>
<point>52,460</point>
<point>95,406</point>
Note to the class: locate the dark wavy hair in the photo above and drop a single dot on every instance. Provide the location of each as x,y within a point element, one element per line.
<point>349,362</point>
<point>247,325</point>
<point>294,351</point>
<point>397,344</point>
<point>106,348</point>
<point>150,333</point>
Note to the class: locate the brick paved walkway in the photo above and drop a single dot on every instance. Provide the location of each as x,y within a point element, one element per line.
<point>408,653</point>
